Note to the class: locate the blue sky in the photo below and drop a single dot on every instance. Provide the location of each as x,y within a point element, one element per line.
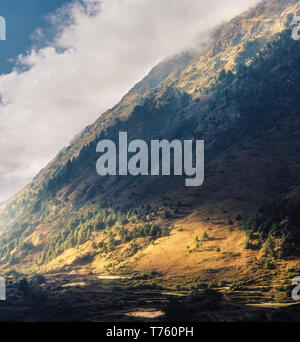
<point>23,17</point>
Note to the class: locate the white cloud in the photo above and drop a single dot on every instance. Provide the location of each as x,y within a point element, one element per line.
<point>101,56</point>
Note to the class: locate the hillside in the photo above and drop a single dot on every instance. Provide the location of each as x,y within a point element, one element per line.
<point>240,93</point>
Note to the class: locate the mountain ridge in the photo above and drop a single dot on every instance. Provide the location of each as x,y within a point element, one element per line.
<point>211,102</point>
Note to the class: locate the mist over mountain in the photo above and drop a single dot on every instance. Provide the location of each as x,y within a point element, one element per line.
<point>84,57</point>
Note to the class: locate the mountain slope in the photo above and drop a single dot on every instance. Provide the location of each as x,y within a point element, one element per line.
<point>241,95</point>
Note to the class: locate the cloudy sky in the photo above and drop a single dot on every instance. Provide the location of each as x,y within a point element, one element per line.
<point>65,62</point>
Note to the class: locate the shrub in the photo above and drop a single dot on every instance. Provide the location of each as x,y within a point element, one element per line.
<point>37,279</point>
<point>269,263</point>
<point>287,245</point>
<point>248,244</point>
<point>205,236</point>
<point>268,247</point>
